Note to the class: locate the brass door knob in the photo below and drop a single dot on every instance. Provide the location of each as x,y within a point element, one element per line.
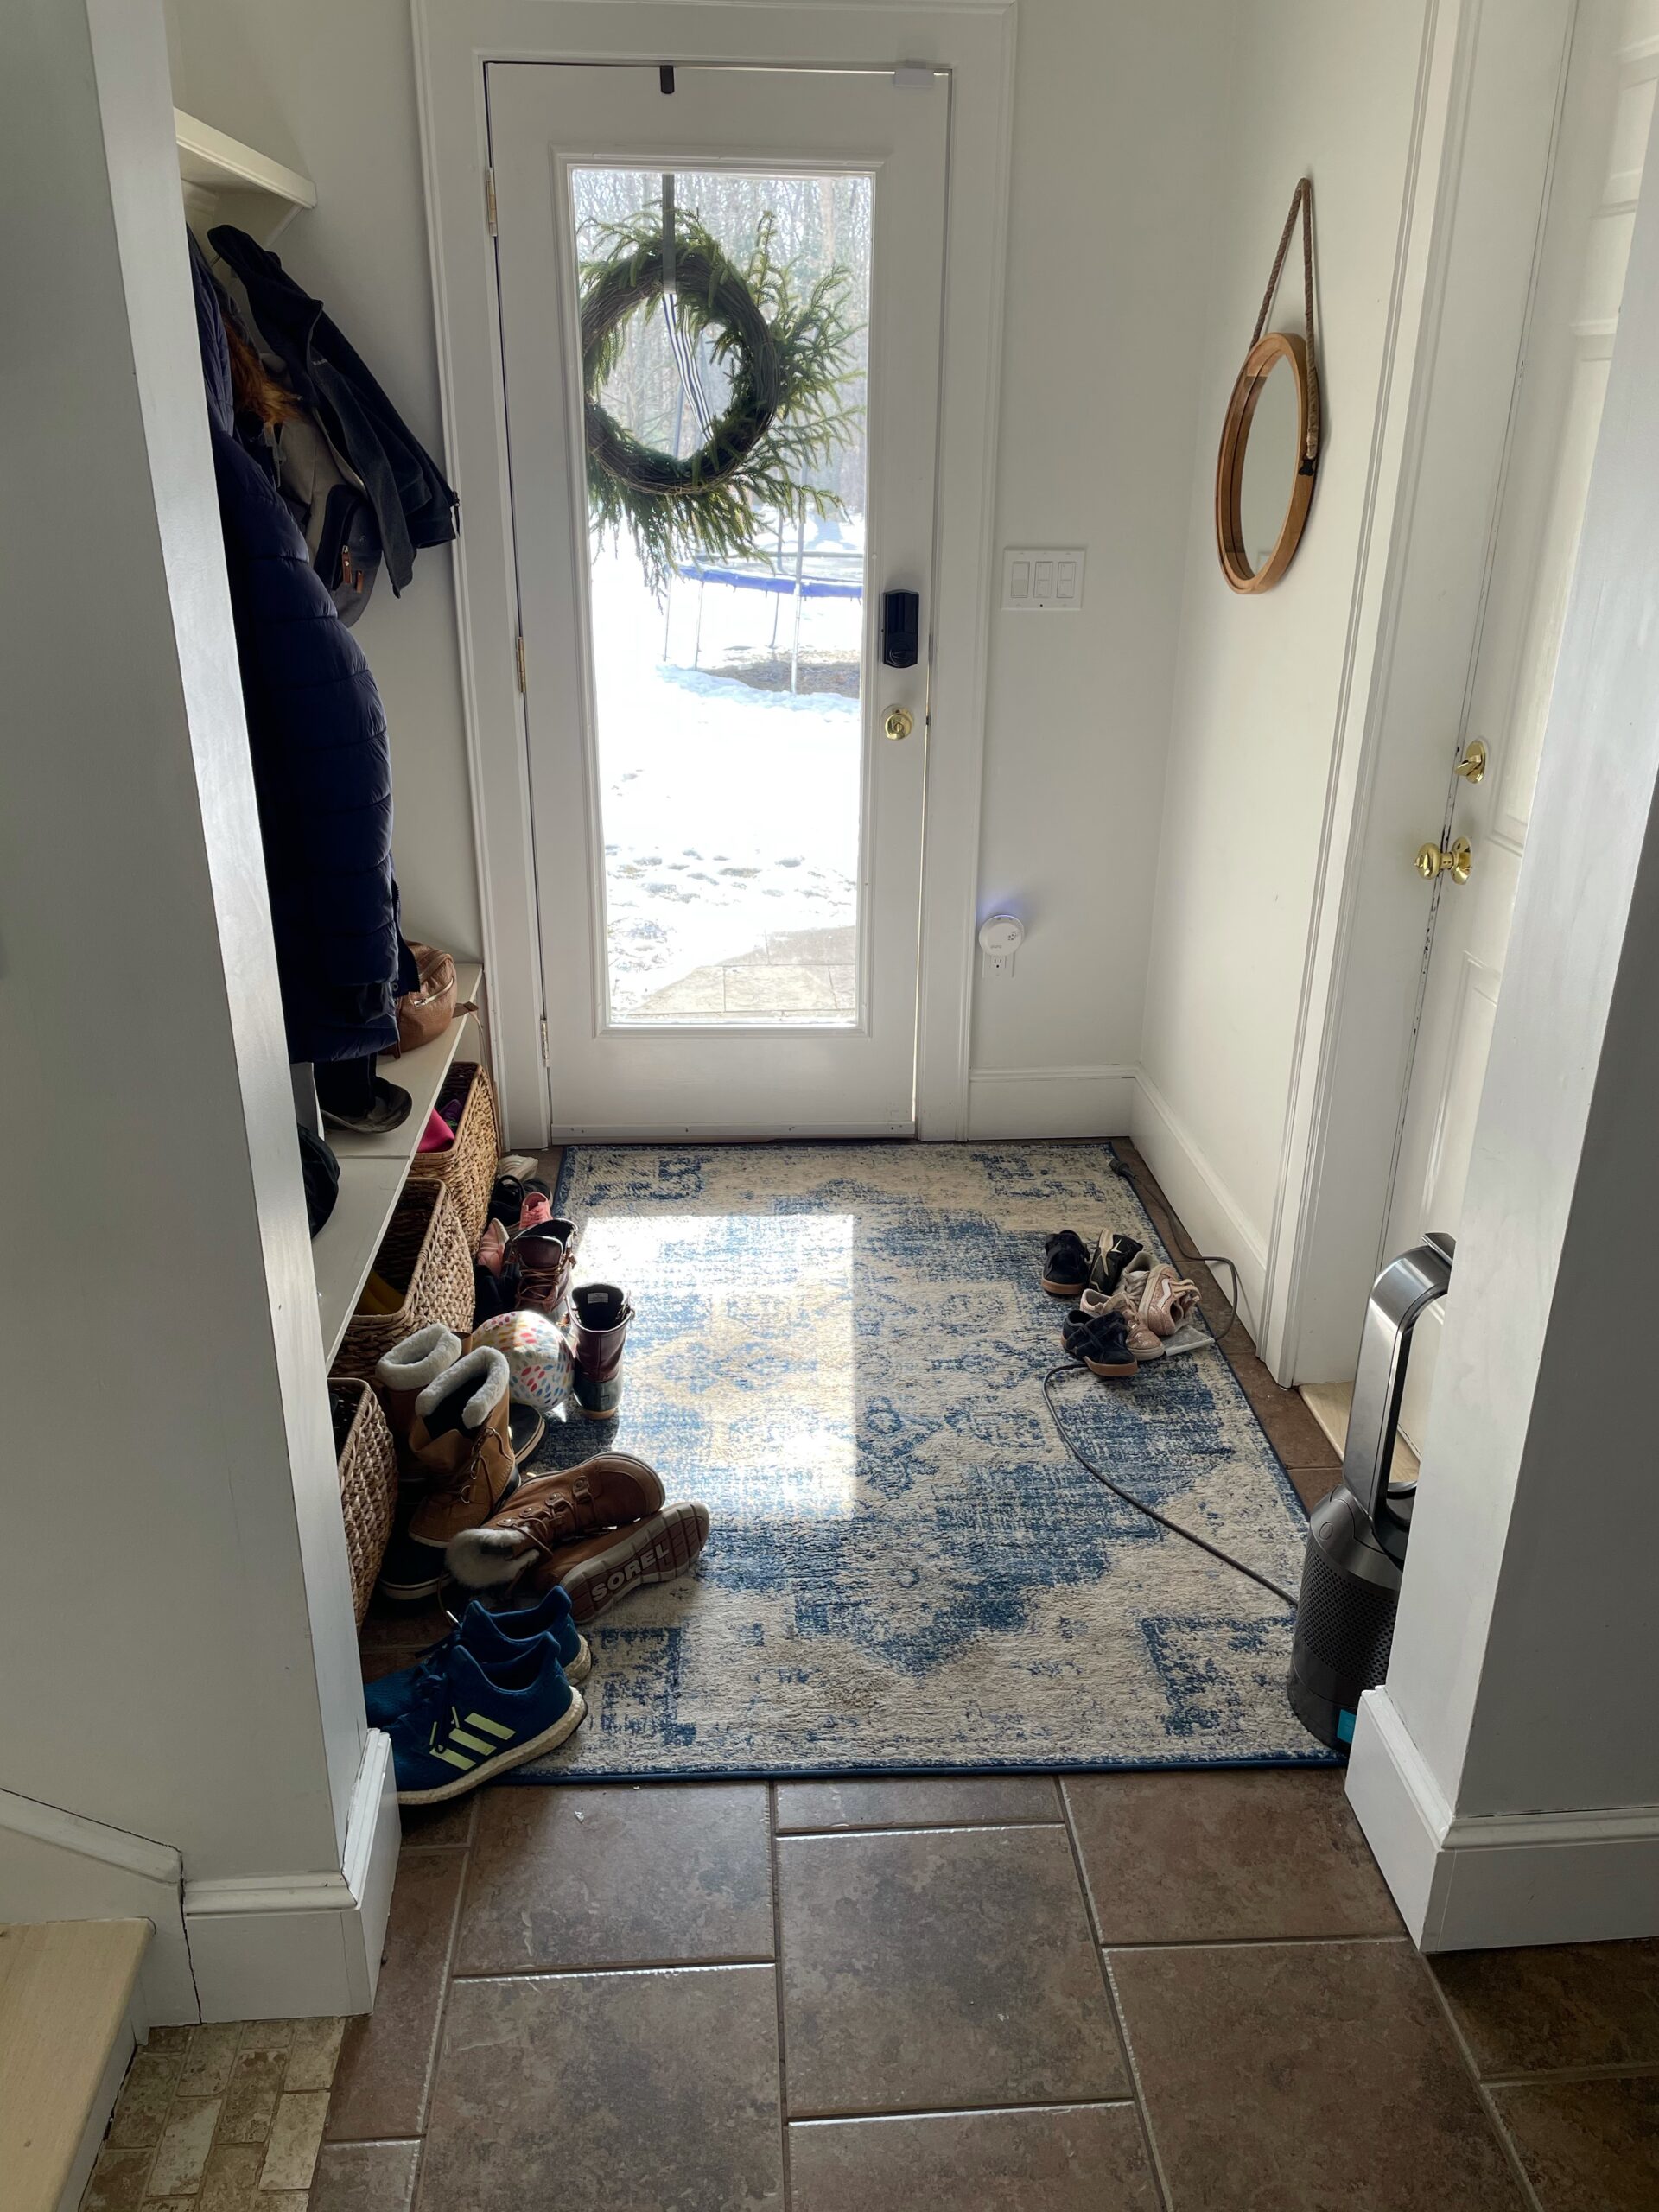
<point>1455,860</point>
<point>898,723</point>
<point>1472,766</point>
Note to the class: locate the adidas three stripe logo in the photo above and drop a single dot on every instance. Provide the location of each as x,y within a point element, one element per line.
<point>459,1735</point>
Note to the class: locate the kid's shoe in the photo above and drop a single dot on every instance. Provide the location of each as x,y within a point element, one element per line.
<point>1065,1264</point>
<point>1143,1342</point>
<point>1100,1342</point>
<point>460,1447</point>
<point>469,1723</point>
<point>402,1375</point>
<point>1114,1260</point>
<point>492,1639</point>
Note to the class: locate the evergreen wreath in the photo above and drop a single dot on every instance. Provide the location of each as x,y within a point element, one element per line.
<point>788,358</point>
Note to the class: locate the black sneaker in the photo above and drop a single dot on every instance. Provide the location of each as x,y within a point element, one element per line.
<point>1099,1342</point>
<point>1065,1265</point>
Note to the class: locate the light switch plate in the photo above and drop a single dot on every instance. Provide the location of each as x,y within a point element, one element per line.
<point>1042,579</point>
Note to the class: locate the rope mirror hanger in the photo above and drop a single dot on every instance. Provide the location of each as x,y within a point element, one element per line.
<point>1292,356</point>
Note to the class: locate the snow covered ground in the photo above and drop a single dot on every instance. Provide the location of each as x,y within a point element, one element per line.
<point>731,814</point>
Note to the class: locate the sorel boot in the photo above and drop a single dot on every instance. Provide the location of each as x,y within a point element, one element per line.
<point>402,1373</point>
<point>544,1256</point>
<point>600,1314</point>
<point>613,1490</point>
<point>595,1571</point>
<point>461,1443</point>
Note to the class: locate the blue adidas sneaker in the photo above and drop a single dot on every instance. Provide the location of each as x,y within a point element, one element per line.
<point>468,1724</point>
<point>491,1637</point>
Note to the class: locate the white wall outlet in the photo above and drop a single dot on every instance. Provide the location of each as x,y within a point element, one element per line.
<point>1000,939</point>
<point>1042,579</point>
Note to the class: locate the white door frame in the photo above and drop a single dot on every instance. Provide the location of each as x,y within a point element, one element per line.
<point>1489,102</point>
<point>974,41</point>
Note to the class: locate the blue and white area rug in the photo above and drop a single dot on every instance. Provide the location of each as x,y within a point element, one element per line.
<point>839,1349</point>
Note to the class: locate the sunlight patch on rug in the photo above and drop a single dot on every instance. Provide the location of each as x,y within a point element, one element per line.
<point>839,1350</point>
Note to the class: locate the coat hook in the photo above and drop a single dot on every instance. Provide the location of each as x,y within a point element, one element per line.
<point>665,76</point>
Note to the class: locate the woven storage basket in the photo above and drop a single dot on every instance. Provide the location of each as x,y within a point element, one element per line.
<point>467,1169</point>
<point>424,1254</point>
<point>368,1482</point>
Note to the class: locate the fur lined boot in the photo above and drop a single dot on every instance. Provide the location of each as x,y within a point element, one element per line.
<point>402,1375</point>
<point>461,1444</point>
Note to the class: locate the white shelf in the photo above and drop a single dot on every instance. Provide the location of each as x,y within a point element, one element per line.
<point>226,181</point>
<point>373,1168</point>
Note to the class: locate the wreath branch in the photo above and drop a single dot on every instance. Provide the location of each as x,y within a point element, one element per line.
<point>789,355</point>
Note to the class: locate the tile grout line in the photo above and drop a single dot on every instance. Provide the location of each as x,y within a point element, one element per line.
<point>1159,2173</point>
<point>606,1966</point>
<point>1507,2149</point>
<point>1250,1942</point>
<point>417,2176</point>
<point>1114,2006</point>
<point>930,1828</point>
<point>856,2117</point>
<point>778,1991</point>
<point>1548,2077</point>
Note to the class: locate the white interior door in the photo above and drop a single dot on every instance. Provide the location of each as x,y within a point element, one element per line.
<point>727,838</point>
<point>1580,285</point>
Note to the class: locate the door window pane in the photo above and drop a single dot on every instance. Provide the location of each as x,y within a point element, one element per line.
<point>727,683</point>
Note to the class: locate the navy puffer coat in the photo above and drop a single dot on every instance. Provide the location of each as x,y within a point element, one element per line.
<point>321,765</point>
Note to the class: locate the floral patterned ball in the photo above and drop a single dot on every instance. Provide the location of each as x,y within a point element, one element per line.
<point>538,1355</point>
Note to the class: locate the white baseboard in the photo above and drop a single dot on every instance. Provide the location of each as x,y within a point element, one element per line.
<point>1208,1210</point>
<point>1492,1880</point>
<point>294,1947</point>
<point>55,1866</point>
<point>1049,1102</point>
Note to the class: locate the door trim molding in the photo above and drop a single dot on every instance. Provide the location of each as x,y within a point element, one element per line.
<point>1442,439</point>
<point>454,40</point>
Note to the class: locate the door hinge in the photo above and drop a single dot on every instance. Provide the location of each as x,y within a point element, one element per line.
<point>489,201</point>
<point>547,1054</point>
<point>520,662</point>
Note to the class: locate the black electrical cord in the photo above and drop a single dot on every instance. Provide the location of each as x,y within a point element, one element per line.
<point>1076,1367</point>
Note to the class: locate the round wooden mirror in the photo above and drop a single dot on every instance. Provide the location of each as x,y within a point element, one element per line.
<point>1264,474</point>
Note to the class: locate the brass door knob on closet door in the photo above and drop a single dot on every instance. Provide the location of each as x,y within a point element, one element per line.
<point>898,722</point>
<point>1455,860</point>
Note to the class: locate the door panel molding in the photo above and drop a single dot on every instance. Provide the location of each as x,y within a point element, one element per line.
<point>454,41</point>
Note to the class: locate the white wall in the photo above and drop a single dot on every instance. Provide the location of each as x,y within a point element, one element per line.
<point>176,1639</point>
<point>1114,192</point>
<point>1113,197</point>
<point>1329,92</point>
<point>330,89</point>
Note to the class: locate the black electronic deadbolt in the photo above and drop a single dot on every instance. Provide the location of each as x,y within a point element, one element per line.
<point>901,628</point>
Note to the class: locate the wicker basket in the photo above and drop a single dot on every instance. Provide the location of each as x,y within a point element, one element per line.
<point>368,1482</point>
<point>423,1253</point>
<point>467,1169</point>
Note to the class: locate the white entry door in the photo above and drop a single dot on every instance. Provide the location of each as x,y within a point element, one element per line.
<point>1579,286</point>
<point>725,777</point>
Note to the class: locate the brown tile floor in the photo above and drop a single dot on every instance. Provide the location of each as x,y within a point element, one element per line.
<point>1019,1994</point>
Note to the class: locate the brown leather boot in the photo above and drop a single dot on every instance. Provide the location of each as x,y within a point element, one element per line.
<point>550,1511</point>
<point>600,1315</point>
<point>402,1375</point>
<point>543,1257</point>
<point>461,1443</point>
<point>595,1571</point>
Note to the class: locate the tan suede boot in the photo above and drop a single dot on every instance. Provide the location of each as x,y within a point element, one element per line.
<point>461,1442</point>
<point>549,1511</point>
